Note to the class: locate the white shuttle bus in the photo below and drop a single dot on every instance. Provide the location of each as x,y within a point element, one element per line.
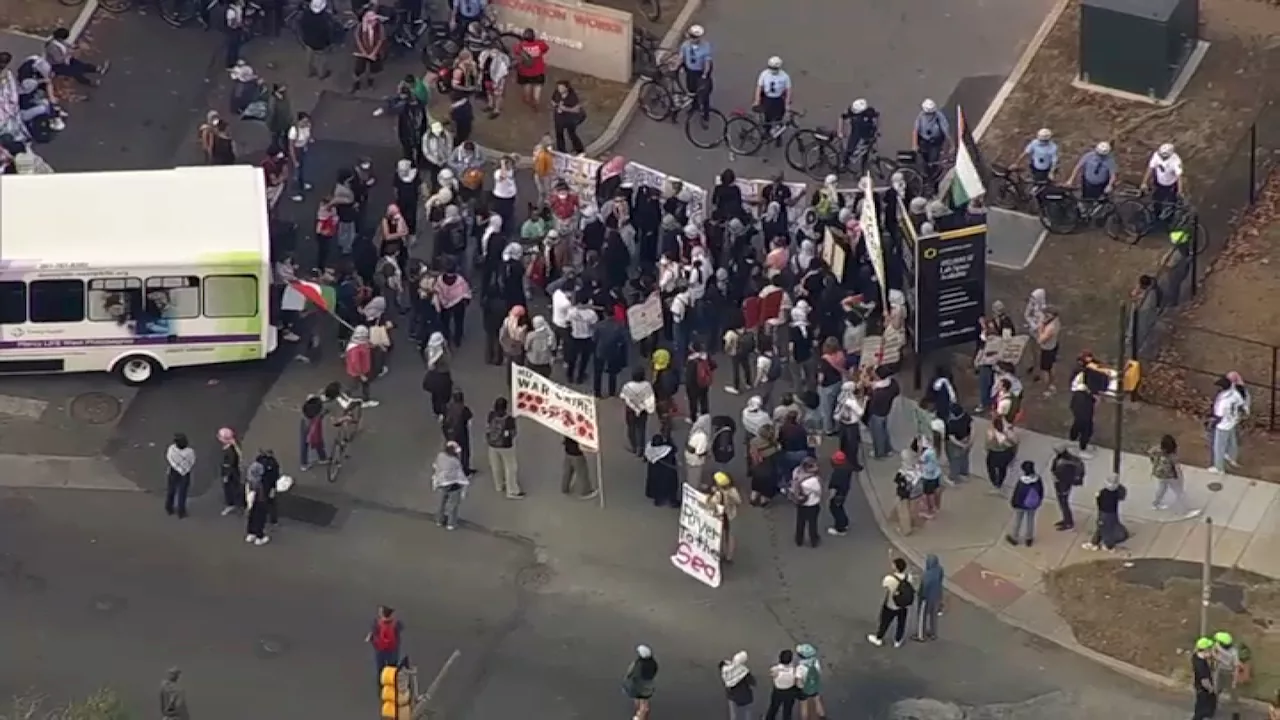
<point>134,272</point>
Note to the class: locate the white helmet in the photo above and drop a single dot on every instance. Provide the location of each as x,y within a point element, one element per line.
<point>858,106</point>
<point>1102,148</point>
<point>445,175</point>
<point>775,63</point>
<point>1165,150</point>
<point>1044,134</point>
<point>696,31</point>
<point>830,180</point>
<point>929,105</point>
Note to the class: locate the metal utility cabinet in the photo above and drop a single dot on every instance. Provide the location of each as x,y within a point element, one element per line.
<point>1138,46</point>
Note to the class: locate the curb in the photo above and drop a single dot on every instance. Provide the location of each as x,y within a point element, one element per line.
<point>82,20</point>
<point>1019,68</point>
<point>626,111</point>
<point>1133,672</point>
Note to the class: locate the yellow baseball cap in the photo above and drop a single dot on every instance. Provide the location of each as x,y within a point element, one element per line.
<point>722,479</point>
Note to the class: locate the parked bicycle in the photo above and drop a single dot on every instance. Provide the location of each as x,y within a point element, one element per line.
<point>1011,189</point>
<point>650,9</point>
<point>747,131</point>
<point>348,425</point>
<point>1176,217</point>
<point>1062,211</point>
<point>647,53</point>
<point>663,97</point>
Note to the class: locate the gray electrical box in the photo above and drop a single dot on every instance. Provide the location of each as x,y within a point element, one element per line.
<point>1139,46</point>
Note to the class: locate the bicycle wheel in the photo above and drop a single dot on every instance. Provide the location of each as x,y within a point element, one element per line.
<point>177,12</point>
<point>655,101</point>
<point>335,460</point>
<point>1129,221</point>
<point>708,133</point>
<point>71,3</point>
<point>651,9</point>
<point>743,135</point>
<point>116,6</point>
<point>1004,194</point>
<point>1060,217</point>
<point>883,169</point>
<point>823,159</point>
<point>797,149</point>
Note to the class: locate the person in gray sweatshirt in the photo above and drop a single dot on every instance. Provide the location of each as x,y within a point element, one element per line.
<point>929,602</point>
<point>449,479</point>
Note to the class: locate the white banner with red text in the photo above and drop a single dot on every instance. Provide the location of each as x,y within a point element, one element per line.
<point>568,412</point>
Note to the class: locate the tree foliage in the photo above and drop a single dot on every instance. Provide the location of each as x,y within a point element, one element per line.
<point>101,705</point>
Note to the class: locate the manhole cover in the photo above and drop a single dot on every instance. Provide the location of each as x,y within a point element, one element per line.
<point>95,408</point>
<point>271,646</point>
<point>1215,486</point>
<point>109,604</point>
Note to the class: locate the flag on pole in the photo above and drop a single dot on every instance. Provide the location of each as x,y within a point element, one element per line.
<point>301,292</point>
<point>966,178</point>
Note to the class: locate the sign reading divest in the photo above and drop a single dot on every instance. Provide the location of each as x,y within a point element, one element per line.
<point>555,406</point>
<point>584,38</point>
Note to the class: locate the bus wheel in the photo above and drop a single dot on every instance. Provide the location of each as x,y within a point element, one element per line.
<point>137,369</point>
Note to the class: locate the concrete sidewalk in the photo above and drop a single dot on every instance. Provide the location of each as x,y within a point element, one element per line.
<point>968,534</point>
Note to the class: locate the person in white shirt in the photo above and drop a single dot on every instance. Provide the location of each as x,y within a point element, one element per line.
<point>639,403</point>
<point>696,449</point>
<point>497,66</point>
<point>299,146</point>
<point>899,595</point>
<point>1228,408</point>
<point>561,302</point>
<point>504,191</point>
<point>1165,168</point>
<point>784,694</point>
<point>807,495</point>
<point>582,325</point>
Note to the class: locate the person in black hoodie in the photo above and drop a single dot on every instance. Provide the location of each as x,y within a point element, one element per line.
<point>610,356</point>
<point>1025,500</point>
<point>1068,474</point>
<point>1085,386</point>
<point>879,404</point>
<point>1110,532</point>
<point>495,312</point>
<point>840,483</point>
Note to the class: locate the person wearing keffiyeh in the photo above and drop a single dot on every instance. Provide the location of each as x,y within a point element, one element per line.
<point>182,459</point>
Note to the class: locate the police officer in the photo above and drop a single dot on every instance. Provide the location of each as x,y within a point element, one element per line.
<point>1165,169</point>
<point>1042,156</point>
<point>695,59</point>
<point>464,13</point>
<point>1097,172</point>
<point>773,96</point>
<point>860,126</point>
<point>931,132</point>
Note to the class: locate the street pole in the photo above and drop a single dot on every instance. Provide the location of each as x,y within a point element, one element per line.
<point>1119,427</point>
<point>1206,582</point>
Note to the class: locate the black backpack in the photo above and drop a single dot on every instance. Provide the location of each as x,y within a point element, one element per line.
<point>270,469</point>
<point>722,438</point>
<point>904,596</point>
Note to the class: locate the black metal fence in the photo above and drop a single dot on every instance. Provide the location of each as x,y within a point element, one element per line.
<point>1177,279</point>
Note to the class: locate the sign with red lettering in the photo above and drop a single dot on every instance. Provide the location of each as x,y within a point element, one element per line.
<point>584,37</point>
<point>701,536</point>
<point>555,406</point>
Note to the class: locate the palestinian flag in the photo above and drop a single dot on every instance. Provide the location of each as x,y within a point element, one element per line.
<point>321,296</point>
<point>966,177</point>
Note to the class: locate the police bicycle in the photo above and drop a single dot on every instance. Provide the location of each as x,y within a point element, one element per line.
<point>1178,218</point>
<point>663,96</point>
<point>748,131</point>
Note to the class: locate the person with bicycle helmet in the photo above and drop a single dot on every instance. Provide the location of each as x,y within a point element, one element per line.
<point>1097,172</point>
<point>1165,169</point>
<point>464,13</point>
<point>1042,156</point>
<point>695,60</point>
<point>773,96</point>
<point>930,133</point>
<point>860,127</point>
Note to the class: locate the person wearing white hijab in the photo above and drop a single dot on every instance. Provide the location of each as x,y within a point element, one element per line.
<point>808,251</point>
<point>754,417</point>
<point>802,363</point>
<point>696,449</point>
<point>739,685</point>
<point>1033,313</point>
<point>492,230</point>
<point>437,147</point>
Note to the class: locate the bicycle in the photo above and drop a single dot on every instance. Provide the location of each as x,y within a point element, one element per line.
<point>650,9</point>
<point>645,49</point>
<point>1178,216</point>
<point>1063,212</point>
<point>747,131</point>
<point>115,7</point>
<point>663,96</point>
<point>1012,190</point>
<point>348,427</point>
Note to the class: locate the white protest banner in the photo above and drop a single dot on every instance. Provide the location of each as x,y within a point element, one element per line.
<point>579,172</point>
<point>701,533</point>
<point>833,253</point>
<point>645,319</point>
<point>871,235</point>
<point>552,405</point>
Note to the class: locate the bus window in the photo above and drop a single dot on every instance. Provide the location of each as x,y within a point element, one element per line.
<point>13,302</point>
<point>230,296</point>
<point>182,293</point>
<point>57,301</point>
<point>116,300</point>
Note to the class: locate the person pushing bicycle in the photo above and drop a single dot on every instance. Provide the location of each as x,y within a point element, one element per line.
<point>1097,172</point>
<point>860,128</point>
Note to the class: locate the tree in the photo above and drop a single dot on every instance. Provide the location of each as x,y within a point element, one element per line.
<point>101,705</point>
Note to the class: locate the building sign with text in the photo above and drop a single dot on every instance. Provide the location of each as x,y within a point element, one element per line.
<point>946,284</point>
<point>584,38</point>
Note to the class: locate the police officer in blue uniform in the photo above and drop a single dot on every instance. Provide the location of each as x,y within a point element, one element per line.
<point>695,61</point>
<point>860,126</point>
<point>773,96</point>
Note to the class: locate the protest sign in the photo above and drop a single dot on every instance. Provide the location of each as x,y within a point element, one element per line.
<point>701,534</point>
<point>870,227</point>
<point>1003,349</point>
<point>645,319</point>
<point>554,406</point>
<point>833,253</point>
<point>579,172</point>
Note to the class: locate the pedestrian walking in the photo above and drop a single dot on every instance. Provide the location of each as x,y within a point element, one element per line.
<point>173,698</point>
<point>929,604</point>
<point>739,686</point>
<point>568,114</point>
<point>259,497</point>
<point>384,637</point>
<point>232,481</point>
<point>839,485</point>
<point>783,696</point>
<point>638,403</point>
<point>1109,532</point>
<point>1068,472</point>
<point>806,493</point>
<point>899,595</point>
<point>450,480</point>
<point>438,379</point>
<point>1002,448</point>
<point>1206,702</point>
<point>1229,407</point>
<point>1026,498</point>
<point>809,682</point>
<point>500,433</point>
<point>639,681</point>
<point>575,475</point>
<point>182,459</point>
<point>1168,474</point>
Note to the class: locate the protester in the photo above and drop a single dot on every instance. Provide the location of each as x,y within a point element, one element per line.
<point>638,404</point>
<point>1026,498</point>
<point>739,685</point>
<point>662,483</point>
<point>438,379</point>
<point>929,604</point>
<point>806,492</point>
<point>232,482</point>
<point>500,434</point>
<point>1168,474</point>
<point>638,682</point>
<point>575,473</point>
<point>181,458</point>
<point>456,428</point>
<point>449,478</point>
<point>809,681</point>
<point>696,449</point>
<point>839,484</point>
<point>725,500</point>
<point>1110,532</point>
<point>260,499</point>
<point>1002,448</point>
<point>908,489</point>
<point>958,443</point>
<point>785,693</point>
<point>1206,693</point>
<point>568,116</point>
<point>898,597</point>
<point>1068,473</point>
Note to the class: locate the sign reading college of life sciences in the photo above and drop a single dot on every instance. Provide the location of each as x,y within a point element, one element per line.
<point>584,38</point>
<point>701,534</point>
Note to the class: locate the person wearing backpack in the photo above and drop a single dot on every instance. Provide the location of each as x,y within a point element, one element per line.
<point>699,374</point>
<point>899,596</point>
<point>1067,470</point>
<point>384,637</point>
<point>1026,499</point>
<point>500,434</point>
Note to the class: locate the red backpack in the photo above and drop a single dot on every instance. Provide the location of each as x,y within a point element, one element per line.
<point>384,636</point>
<point>704,372</point>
